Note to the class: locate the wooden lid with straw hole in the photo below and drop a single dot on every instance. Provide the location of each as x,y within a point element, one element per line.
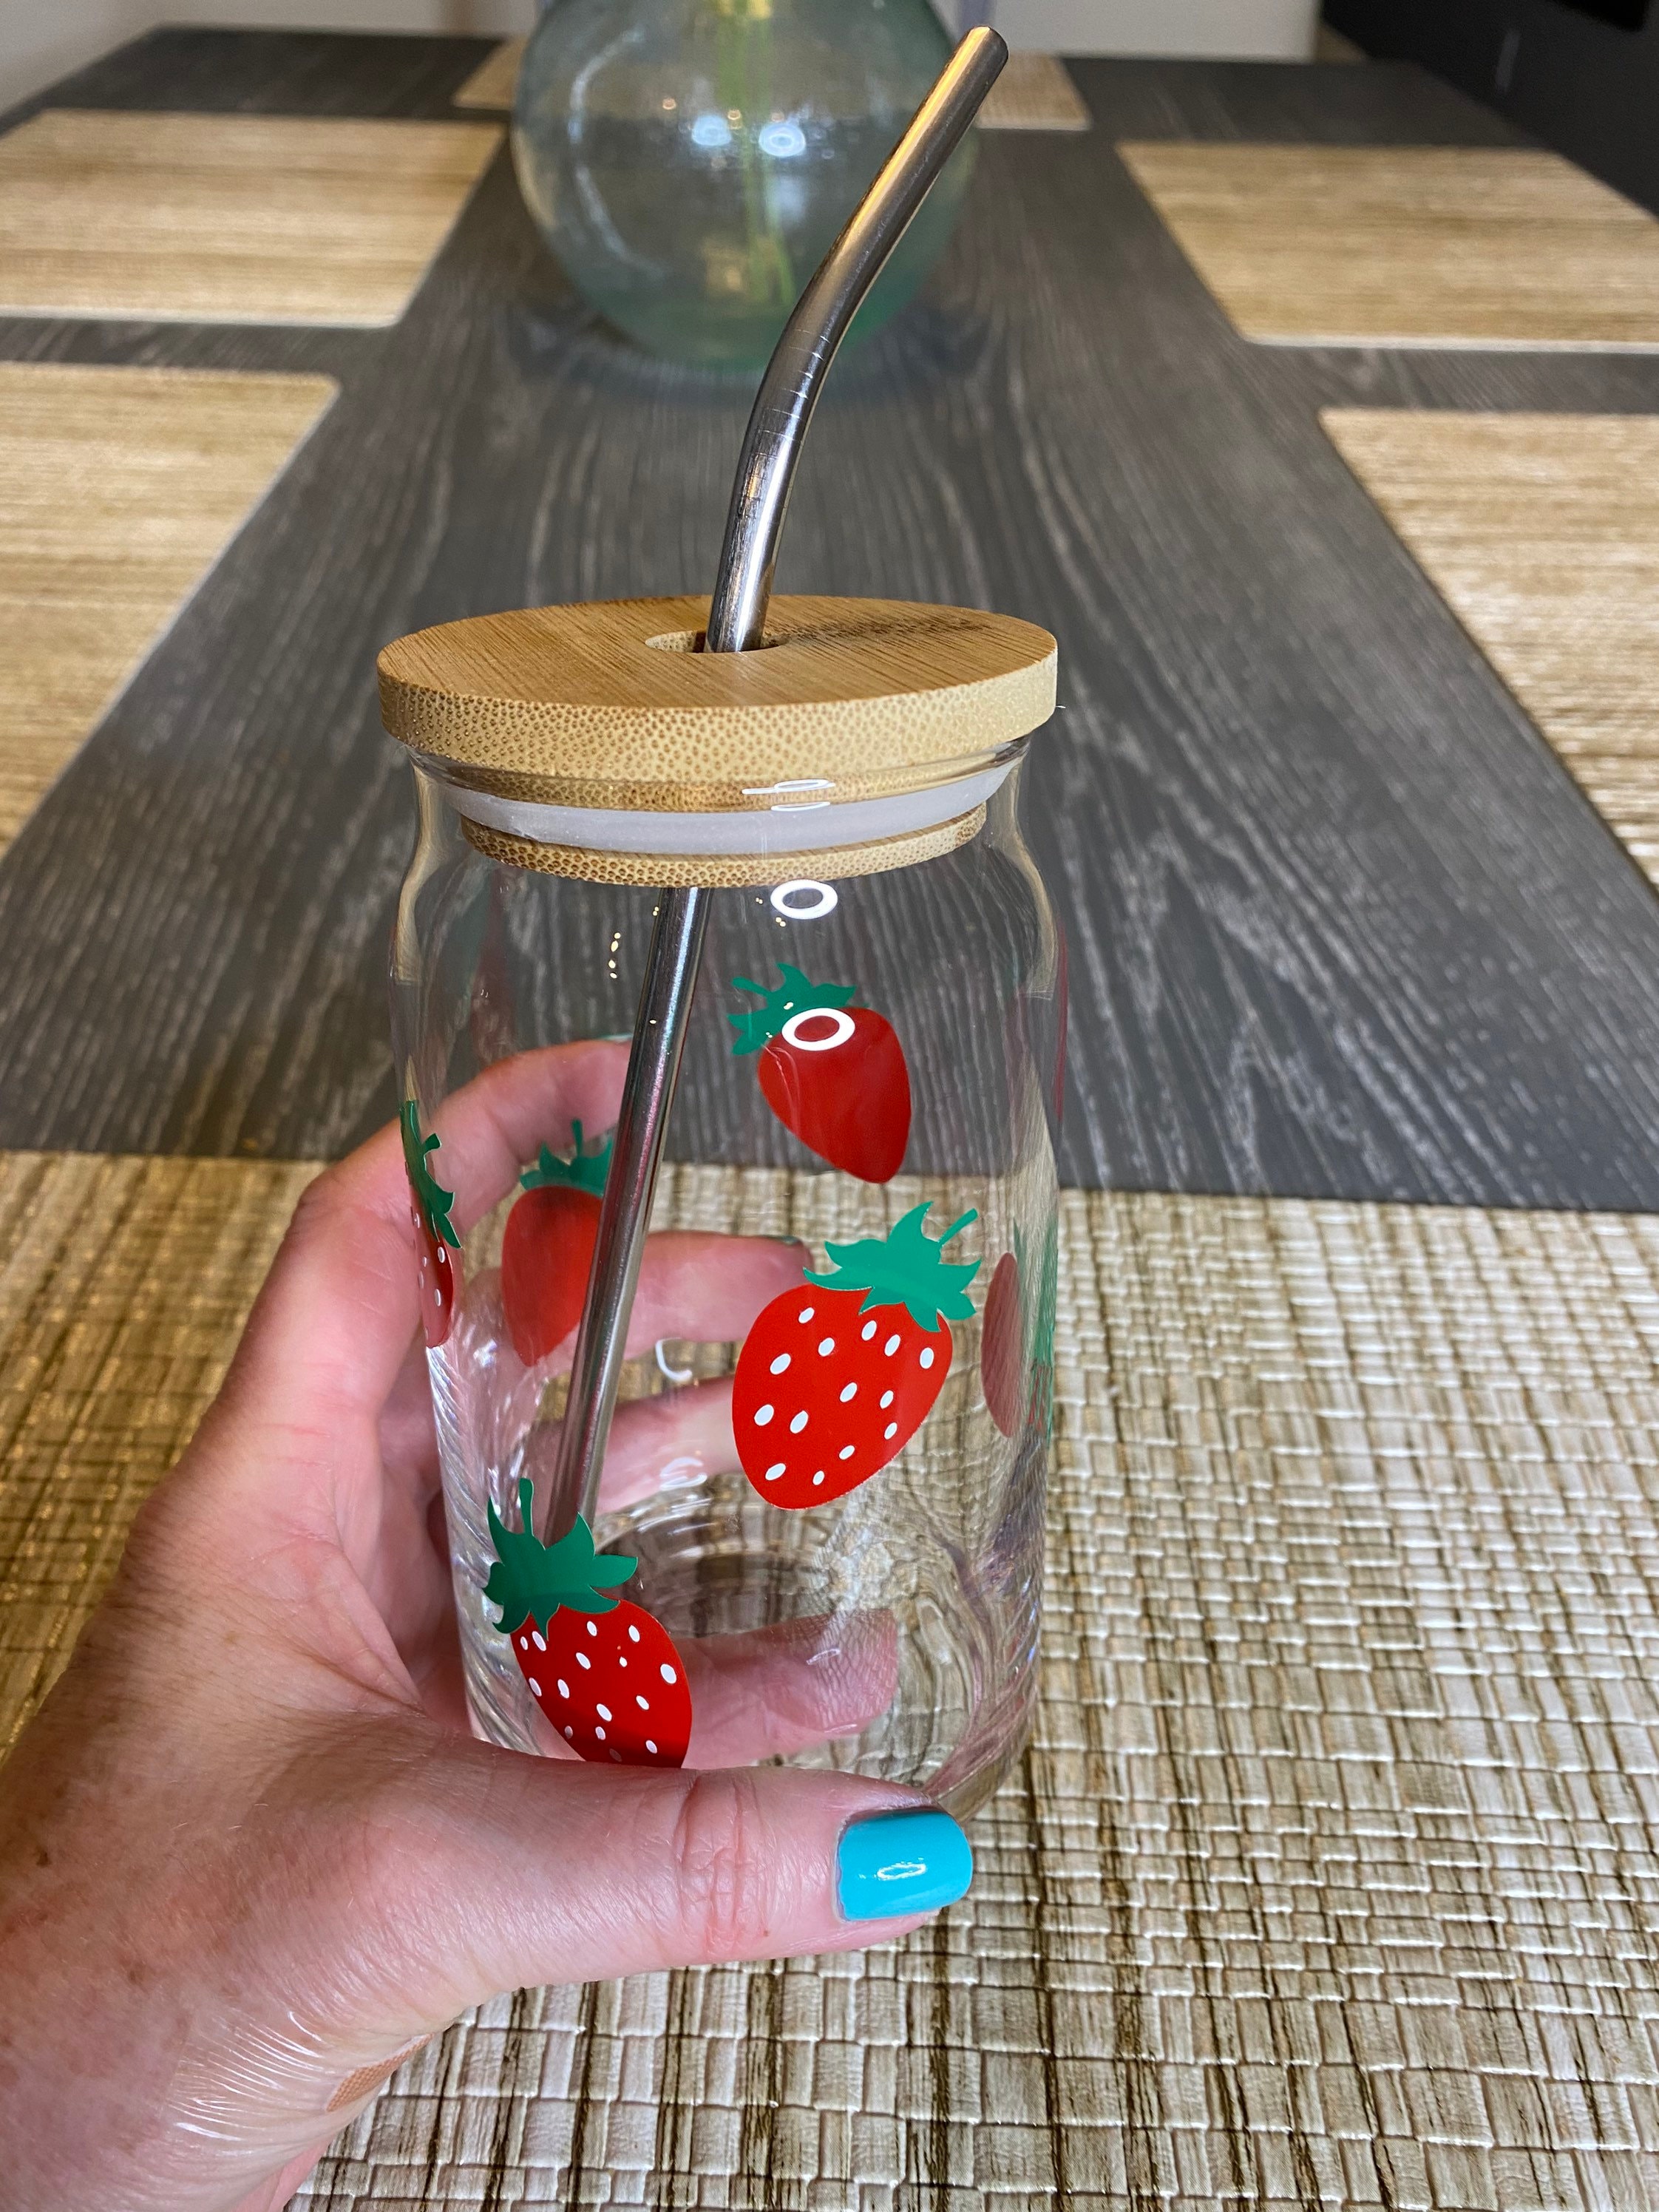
<point>609,705</point>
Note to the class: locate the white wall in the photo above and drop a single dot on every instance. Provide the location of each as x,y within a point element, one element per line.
<point>1254,30</point>
<point>43,40</point>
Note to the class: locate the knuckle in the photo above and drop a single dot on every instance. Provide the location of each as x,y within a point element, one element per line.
<point>719,1862</point>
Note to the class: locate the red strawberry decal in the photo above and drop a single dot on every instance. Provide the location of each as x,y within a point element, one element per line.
<point>548,1247</point>
<point>604,1672</point>
<point>836,1378</point>
<point>833,1073</point>
<point>430,1205</point>
<point>1017,1350</point>
<point>1002,1348</point>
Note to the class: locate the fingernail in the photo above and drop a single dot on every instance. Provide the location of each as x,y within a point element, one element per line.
<point>893,1863</point>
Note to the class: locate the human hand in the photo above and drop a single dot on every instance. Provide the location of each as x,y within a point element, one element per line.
<point>250,1857</point>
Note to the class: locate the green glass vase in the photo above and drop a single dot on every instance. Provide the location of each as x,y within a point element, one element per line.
<point>690,161</point>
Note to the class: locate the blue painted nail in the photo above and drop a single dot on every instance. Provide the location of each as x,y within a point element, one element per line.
<point>894,1863</point>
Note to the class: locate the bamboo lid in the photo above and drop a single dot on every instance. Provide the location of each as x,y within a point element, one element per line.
<point>597,740</point>
<point>607,704</point>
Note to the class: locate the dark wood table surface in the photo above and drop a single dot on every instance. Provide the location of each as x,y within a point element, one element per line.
<point>1340,923</point>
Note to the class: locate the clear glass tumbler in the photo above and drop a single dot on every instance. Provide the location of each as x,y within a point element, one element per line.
<point>829,1457</point>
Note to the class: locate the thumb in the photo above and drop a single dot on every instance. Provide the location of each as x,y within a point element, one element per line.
<point>548,1870</point>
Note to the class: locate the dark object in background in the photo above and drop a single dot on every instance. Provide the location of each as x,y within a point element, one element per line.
<point>1582,75</point>
<point>1629,14</point>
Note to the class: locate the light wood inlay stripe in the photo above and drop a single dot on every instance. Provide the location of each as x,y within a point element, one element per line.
<point>1404,245</point>
<point>118,489</point>
<point>1542,531</point>
<point>228,218</point>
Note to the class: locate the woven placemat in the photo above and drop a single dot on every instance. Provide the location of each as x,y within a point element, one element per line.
<point>228,218</point>
<point>118,488</point>
<point>124,1285</point>
<point>1034,92</point>
<point>1331,1877</point>
<point>495,80</point>
<point>1542,533</point>
<point>1407,246</point>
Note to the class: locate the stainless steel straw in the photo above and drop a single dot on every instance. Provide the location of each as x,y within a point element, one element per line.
<point>737,621</point>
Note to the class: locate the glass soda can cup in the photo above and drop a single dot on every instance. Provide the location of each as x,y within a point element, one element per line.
<point>819,1532</point>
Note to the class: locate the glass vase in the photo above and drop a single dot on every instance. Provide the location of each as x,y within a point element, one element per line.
<point>690,161</point>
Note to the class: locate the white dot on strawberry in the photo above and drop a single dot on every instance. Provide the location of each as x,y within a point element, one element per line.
<point>524,1644</point>
<point>849,1394</point>
<point>592,1628</point>
<point>569,1735</point>
<point>642,1706</point>
<point>805,1315</point>
<point>582,1660</point>
<point>927,1360</point>
<point>603,1711</point>
<point>867,1331</point>
<point>797,1423</point>
<point>564,1688</point>
<point>538,1639</point>
<point>535,1686</point>
<point>846,1451</point>
<point>667,1672</point>
<point>763,1414</point>
<point>651,1746</point>
<point>633,1635</point>
<point>891,1344</point>
<point>774,1470</point>
<point>891,1430</point>
<point>886,1399</point>
<point>780,1363</point>
<point>600,1734</point>
<point>826,1347</point>
<point>817,1478</point>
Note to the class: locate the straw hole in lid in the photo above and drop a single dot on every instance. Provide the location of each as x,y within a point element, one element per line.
<point>696,641</point>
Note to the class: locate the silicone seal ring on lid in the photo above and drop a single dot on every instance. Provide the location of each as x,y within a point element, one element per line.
<point>572,729</point>
<point>799,828</point>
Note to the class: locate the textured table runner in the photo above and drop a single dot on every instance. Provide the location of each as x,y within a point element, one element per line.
<point>118,489</point>
<point>1542,533</point>
<point>1331,1876</point>
<point>1405,245</point>
<point>228,218</point>
<point>1034,92</point>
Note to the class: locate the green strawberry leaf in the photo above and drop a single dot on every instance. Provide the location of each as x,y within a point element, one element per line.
<point>794,995</point>
<point>531,1580</point>
<point>583,1170</point>
<point>905,1268</point>
<point>431,1196</point>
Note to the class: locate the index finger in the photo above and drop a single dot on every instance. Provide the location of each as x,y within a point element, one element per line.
<point>330,1328</point>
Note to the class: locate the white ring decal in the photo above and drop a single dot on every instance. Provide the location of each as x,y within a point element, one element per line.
<point>791,1030</point>
<point>825,895</point>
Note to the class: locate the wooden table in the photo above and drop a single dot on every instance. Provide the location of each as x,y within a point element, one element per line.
<point>1339,924</point>
<point>1329,1478</point>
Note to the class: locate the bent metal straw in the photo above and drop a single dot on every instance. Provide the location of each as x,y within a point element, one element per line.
<point>743,589</point>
